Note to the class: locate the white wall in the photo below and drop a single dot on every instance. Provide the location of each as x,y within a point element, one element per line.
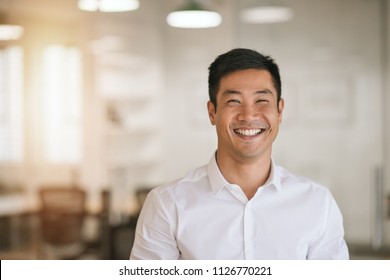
<point>189,138</point>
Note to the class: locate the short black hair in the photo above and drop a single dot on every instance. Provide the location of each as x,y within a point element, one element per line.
<point>241,59</point>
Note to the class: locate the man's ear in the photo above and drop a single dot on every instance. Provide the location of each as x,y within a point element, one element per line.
<point>211,110</point>
<point>280,109</point>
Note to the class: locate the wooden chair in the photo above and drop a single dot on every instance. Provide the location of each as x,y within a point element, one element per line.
<point>62,218</point>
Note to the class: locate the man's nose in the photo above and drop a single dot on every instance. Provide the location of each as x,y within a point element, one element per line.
<point>248,112</point>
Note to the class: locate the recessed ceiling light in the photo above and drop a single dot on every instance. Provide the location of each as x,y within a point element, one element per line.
<point>108,5</point>
<point>193,15</point>
<point>194,19</point>
<point>267,14</point>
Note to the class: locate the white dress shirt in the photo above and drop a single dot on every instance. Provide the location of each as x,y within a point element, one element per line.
<point>202,216</point>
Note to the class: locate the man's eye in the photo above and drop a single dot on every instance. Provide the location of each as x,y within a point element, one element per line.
<point>233,102</point>
<point>262,101</point>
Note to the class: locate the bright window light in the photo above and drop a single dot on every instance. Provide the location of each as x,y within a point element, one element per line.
<point>10,32</point>
<point>62,104</point>
<point>11,104</point>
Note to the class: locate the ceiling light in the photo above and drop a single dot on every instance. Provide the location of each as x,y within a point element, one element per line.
<point>193,15</point>
<point>108,5</point>
<point>267,14</point>
<point>10,32</point>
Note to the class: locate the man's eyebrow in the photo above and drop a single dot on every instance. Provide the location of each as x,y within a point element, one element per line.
<point>231,91</point>
<point>262,91</point>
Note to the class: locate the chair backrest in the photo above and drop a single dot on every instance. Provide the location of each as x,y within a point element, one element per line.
<point>65,199</point>
<point>62,214</point>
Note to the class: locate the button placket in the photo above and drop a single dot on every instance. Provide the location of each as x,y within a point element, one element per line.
<point>248,231</point>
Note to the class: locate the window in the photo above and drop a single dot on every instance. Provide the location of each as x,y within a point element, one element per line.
<point>62,104</point>
<point>11,104</point>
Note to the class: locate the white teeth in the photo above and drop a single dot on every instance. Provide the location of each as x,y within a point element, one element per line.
<point>248,132</point>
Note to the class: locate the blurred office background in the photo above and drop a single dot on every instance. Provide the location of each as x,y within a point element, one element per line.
<point>103,106</point>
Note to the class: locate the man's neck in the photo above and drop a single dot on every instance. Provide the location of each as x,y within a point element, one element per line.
<point>249,174</point>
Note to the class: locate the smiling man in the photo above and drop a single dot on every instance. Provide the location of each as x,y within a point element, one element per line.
<point>241,205</point>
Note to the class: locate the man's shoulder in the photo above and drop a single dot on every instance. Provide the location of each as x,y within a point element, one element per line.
<point>291,179</point>
<point>191,178</point>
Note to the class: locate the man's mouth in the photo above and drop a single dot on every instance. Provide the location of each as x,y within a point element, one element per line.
<point>249,132</point>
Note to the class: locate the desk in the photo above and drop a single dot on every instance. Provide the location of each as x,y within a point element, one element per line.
<point>20,235</point>
<point>13,204</point>
<point>14,213</point>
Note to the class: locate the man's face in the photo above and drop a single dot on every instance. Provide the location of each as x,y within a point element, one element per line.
<point>247,116</point>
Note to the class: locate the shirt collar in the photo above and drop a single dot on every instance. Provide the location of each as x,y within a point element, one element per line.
<point>274,177</point>
<point>218,182</point>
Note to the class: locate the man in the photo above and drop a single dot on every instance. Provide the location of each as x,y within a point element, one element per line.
<point>241,205</point>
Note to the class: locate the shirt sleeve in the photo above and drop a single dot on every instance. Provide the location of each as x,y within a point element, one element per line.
<point>331,244</point>
<point>154,235</point>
